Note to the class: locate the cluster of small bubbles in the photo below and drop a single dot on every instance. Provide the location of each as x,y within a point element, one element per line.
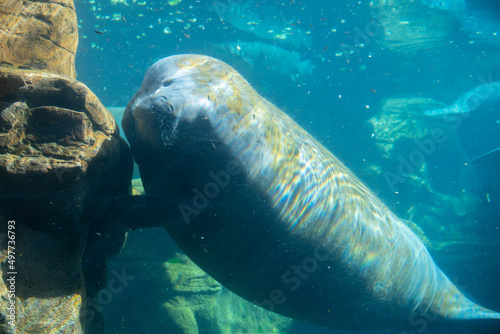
<point>163,17</point>
<point>97,47</point>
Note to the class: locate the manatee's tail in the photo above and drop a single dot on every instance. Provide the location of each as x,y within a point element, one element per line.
<point>451,303</point>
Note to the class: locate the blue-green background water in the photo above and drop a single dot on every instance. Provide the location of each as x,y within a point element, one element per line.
<point>354,57</point>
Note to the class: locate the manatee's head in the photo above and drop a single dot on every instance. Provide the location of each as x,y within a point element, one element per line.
<point>174,89</point>
<point>171,121</point>
<point>152,114</point>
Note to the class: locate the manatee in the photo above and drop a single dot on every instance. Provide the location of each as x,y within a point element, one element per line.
<point>273,215</point>
<point>470,100</point>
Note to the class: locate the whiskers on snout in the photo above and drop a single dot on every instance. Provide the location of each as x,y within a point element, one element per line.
<point>168,128</point>
<point>158,110</point>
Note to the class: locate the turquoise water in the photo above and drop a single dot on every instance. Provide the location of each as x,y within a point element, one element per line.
<point>359,77</point>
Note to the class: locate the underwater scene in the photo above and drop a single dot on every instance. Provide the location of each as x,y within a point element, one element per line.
<point>250,166</point>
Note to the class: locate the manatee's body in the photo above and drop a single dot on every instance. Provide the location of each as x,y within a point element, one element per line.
<point>471,100</point>
<point>270,213</point>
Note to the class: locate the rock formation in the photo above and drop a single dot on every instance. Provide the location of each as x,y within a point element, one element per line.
<point>196,303</point>
<point>406,27</point>
<point>410,146</point>
<point>61,164</point>
<point>170,294</point>
<point>39,35</point>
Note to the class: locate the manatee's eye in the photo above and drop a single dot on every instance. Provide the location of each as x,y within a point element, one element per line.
<point>167,83</point>
<point>166,105</point>
<point>161,104</point>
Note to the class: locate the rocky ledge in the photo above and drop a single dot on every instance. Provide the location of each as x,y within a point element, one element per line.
<point>62,162</point>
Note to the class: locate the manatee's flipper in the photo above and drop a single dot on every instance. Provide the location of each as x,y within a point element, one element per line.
<point>145,211</point>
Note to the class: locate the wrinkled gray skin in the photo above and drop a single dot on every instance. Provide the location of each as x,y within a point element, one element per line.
<point>271,214</point>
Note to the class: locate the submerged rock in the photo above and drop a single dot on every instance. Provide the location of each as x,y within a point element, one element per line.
<point>406,26</point>
<point>401,118</point>
<point>196,303</point>
<point>413,147</point>
<point>62,162</point>
<point>171,294</point>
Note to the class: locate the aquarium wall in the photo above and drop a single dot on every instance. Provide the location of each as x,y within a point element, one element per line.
<point>347,111</point>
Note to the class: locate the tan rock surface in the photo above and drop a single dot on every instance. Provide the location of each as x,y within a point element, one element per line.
<point>61,163</point>
<point>39,35</point>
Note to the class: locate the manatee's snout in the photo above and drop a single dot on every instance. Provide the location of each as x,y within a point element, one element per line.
<point>155,121</point>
